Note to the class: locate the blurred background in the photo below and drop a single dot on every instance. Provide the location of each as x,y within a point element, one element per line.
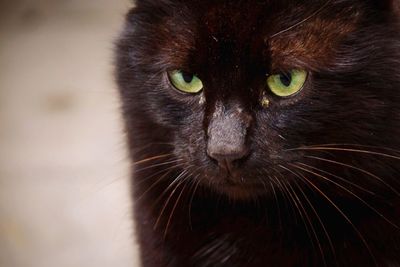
<point>64,191</point>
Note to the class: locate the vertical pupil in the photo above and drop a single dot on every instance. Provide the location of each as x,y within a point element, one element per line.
<point>187,77</point>
<point>286,79</point>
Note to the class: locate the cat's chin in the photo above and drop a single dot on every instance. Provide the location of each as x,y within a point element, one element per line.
<point>240,192</point>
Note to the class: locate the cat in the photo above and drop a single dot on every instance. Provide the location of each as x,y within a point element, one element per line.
<point>263,132</point>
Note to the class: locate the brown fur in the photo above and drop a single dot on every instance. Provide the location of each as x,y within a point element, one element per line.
<point>313,44</point>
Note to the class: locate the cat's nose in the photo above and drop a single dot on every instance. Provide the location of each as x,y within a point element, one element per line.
<point>227,154</point>
<point>227,134</point>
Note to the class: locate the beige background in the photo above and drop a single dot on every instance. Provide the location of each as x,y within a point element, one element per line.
<point>63,169</point>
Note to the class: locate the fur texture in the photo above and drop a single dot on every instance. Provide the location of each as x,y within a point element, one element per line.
<point>318,184</point>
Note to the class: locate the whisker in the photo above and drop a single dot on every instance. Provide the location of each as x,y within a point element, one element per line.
<point>154,184</point>
<point>302,21</point>
<point>272,186</point>
<point>346,150</point>
<point>177,179</point>
<point>173,210</point>
<point>355,145</point>
<point>316,214</point>
<point>285,196</point>
<point>175,166</point>
<point>265,188</point>
<point>357,169</point>
<point>137,163</point>
<point>311,226</point>
<point>151,146</point>
<point>291,198</point>
<point>350,192</point>
<point>196,185</point>
<point>277,203</point>
<point>339,178</point>
<point>169,197</point>
<point>343,215</point>
<point>151,158</point>
<point>158,165</point>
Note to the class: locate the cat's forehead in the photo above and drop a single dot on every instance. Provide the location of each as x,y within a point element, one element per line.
<point>293,33</point>
<point>280,34</point>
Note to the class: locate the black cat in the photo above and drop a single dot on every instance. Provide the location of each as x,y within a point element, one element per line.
<point>264,132</point>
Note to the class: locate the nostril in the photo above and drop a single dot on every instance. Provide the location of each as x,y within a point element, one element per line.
<point>226,155</point>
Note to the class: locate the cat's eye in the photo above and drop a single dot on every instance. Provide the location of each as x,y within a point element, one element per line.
<point>287,84</point>
<point>185,82</point>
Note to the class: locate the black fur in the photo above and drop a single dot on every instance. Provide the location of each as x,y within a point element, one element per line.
<point>318,181</point>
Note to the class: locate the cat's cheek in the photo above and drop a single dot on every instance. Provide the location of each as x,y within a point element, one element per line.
<point>170,109</point>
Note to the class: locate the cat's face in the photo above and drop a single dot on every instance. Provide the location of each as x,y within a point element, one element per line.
<point>236,87</point>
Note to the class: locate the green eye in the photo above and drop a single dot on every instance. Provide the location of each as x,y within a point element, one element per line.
<point>185,82</point>
<point>287,84</point>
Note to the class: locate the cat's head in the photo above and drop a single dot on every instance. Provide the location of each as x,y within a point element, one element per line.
<point>245,94</point>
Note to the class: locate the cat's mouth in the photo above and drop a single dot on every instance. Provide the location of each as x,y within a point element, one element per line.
<point>236,183</point>
<point>238,186</point>
<point>240,191</point>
